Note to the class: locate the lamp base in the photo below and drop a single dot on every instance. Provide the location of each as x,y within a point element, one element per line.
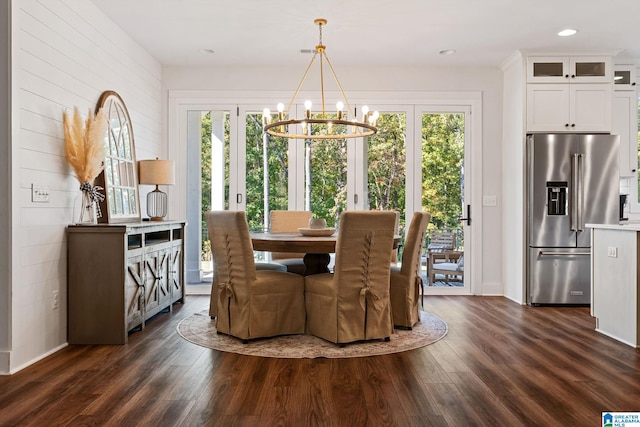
<point>156,205</point>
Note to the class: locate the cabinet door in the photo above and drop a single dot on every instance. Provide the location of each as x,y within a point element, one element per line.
<point>625,113</point>
<point>156,281</point>
<point>591,107</point>
<point>547,69</point>
<point>624,77</point>
<point>590,69</point>
<point>565,69</point>
<point>548,108</point>
<point>176,273</point>
<point>134,292</point>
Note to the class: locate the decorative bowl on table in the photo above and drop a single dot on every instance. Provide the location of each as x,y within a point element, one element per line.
<point>317,232</point>
<point>317,223</point>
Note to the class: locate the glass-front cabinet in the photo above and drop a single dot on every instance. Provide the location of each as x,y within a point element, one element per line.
<point>569,69</point>
<point>624,77</point>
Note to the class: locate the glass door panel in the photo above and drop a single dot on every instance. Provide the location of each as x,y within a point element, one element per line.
<point>325,177</point>
<point>386,166</point>
<point>267,171</point>
<point>443,188</point>
<point>210,174</point>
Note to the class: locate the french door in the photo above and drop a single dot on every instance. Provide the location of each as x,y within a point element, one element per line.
<point>419,160</point>
<point>440,183</point>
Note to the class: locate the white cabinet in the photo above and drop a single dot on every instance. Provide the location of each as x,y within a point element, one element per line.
<point>569,107</point>
<point>625,124</point>
<point>615,282</point>
<point>569,69</point>
<point>624,77</point>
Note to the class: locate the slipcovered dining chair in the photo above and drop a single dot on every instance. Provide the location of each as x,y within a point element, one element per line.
<point>352,304</point>
<point>250,303</point>
<point>406,281</point>
<point>289,222</point>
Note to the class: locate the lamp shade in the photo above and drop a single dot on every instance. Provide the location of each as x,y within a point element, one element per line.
<point>156,172</point>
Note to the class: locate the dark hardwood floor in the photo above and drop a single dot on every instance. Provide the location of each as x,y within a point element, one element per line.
<point>501,364</point>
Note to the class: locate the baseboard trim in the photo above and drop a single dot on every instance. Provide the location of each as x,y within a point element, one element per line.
<point>492,289</point>
<point>10,371</point>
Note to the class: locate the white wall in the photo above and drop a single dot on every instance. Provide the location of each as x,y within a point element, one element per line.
<point>513,186</point>
<point>5,180</point>
<point>259,81</point>
<point>66,53</point>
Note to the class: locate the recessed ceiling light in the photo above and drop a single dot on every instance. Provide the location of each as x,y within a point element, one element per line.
<point>207,51</point>
<point>567,32</point>
<point>447,52</point>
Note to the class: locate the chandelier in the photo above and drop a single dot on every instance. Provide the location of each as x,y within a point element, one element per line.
<point>338,126</point>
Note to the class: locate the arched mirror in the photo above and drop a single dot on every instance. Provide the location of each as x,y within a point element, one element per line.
<point>119,178</point>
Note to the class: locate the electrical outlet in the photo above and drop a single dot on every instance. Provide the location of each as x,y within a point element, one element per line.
<point>55,299</point>
<point>39,193</point>
<point>612,251</point>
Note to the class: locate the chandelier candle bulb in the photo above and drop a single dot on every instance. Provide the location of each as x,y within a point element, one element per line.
<point>365,114</point>
<point>307,108</point>
<point>339,107</point>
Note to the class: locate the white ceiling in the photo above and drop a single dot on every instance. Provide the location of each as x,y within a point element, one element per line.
<point>380,32</point>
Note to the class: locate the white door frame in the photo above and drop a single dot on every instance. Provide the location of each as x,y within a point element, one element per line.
<point>182,100</point>
<point>469,185</point>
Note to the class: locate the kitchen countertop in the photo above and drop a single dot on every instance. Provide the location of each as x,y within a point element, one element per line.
<point>623,225</point>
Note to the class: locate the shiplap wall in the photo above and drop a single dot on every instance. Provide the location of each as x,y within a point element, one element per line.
<point>67,53</point>
<point>5,171</point>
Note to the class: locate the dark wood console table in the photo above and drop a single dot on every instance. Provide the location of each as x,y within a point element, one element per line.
<point>120,275</point>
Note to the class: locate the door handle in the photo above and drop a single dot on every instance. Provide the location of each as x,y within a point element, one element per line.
<point>468,217</point>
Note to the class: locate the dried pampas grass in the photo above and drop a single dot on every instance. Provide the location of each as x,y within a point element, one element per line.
<point>84,144</point>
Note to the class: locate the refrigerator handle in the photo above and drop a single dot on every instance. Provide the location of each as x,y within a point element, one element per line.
<point>573,202</point>
<point>580,204</point>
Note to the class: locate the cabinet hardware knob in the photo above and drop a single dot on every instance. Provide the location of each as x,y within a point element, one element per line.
<point>633,84</point>
<point>573,125</point>
<point>633,170</point>
<point>573,76</point>
<point>566,76</point>
<point>566,125</point>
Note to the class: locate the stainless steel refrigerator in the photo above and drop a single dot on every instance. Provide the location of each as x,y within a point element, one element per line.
<point>572,180</point>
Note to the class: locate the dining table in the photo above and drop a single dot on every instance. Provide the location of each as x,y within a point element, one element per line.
<point>317,249</point>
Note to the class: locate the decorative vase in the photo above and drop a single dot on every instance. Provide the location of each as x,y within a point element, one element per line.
<point>85,209</point>
<point>317,223</point>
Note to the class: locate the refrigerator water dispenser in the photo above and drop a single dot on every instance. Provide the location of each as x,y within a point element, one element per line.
<point>557,197</point>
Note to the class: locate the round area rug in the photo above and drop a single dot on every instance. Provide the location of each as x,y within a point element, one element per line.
<point>201,330</point>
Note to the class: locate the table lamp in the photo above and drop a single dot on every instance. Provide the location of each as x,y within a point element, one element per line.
<point>156,172</point>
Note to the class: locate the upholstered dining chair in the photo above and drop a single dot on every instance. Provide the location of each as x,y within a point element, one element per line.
<point>406,280</point>
<point>352,304</point>
<point>250,303</point>
<point>289,222</point>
